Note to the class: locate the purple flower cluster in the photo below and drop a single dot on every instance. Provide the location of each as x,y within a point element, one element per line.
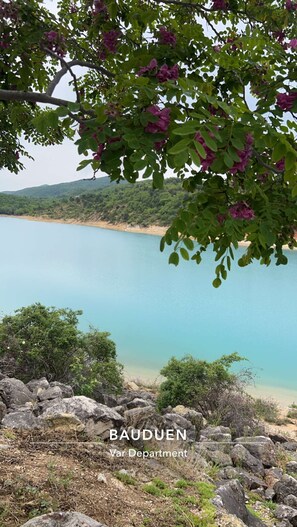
<point>110,40</point>
<point>280,165</point>
<point>166,37</point>
<point>55,42</point>
<point>291,6</point>
<point>219,5</point>
<point>210,155</point>
<point>293,43</point>
<point>285,101</point>
<point>4,44</point>
<point>244,155</point>
<point>241,211</point>
<point>8,10</point>
<point>99,7</point>
<point>161,125</point>
<point>221,218</point>
<point>164,74</point>
<point>73,9</point>
<point>151,68</point>
<point>159,145</point>
<point>98,154</point>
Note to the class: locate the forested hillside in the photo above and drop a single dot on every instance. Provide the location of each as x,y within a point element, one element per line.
<point>137,204</point>
<point>72,188</point>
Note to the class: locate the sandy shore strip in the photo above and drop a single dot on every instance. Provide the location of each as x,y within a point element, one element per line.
<point>155,230</point>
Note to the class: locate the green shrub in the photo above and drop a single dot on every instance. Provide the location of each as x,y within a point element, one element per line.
<point>267,410</point>
<point>292,413</point>
<point>152,489</point>
<point>125,478</point>
<point>39,341</point>
<point>197,383</point>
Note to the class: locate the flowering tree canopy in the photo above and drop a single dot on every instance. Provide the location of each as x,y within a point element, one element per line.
<point>205,90</point>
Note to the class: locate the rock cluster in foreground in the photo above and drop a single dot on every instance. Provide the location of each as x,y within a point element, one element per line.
<point>245,465</point>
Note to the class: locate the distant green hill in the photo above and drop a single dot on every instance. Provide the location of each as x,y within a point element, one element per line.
<point>137,204</point>
<point>72,188</point>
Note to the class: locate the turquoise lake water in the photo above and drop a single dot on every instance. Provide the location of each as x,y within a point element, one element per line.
<point>152,310</point>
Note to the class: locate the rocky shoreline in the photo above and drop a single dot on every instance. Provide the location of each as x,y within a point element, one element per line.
<point>253,477</point>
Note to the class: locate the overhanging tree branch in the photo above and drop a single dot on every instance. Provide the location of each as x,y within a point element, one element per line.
<point>72,63</point>
<point>13,95</point>
<point>35,97</point>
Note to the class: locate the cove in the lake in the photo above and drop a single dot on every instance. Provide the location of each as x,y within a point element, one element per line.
<point>153,311</point>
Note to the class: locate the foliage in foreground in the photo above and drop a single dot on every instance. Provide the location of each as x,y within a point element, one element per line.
<point>45,341</point>
<point>205,90</point>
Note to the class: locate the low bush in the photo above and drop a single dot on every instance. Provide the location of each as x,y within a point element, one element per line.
<point>39,341</point>
<point>197,383</point>
<point>268,410</point>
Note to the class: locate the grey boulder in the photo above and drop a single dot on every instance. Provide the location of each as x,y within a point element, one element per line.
<point>261,447</point>
<point>141,418</point>
<point>63,519</point>
<point>97,418</point>
<point>53,392</point>
<point>232,498</point>
<point>178,423</point>
<point>21,420</point>
<point>67,390</point>
<point>15,392</point>
<point>38,385</point>
<point>3,410</point>
<point>284,512</point>
<point>291,501</point>
<point>283,488</point>
<point>291,466</point>
<point>243,458</point>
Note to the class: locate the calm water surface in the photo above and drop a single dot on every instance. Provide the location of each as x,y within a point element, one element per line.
<point>153,311</point>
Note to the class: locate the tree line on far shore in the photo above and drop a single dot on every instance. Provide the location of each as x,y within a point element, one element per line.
<point>136,205</point>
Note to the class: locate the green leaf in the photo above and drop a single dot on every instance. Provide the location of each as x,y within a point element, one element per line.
<point>279,152</point>
<point>174,258</point>
<point>181,159</point>
<point>294,191</point>
<point>209,141</point>
<point>158,180</point>
<point>74,107</point>
<point>200,149</point>
<point>186,128</point>
<point>140,164</point>
<point>228,160</point>
<point>62,111</point>
<point>189,243</point>
<point>217,282</point>
<point>184,253</point>
<point>84,163</point>
<point>195,158</point>
<point>180,146</point>
<point>290,161</point>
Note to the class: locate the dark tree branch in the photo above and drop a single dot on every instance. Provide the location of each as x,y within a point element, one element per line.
<point>65,64</point>
<point>35,97</point>
<point>180,3</point>
<point>265,165</point>
<point>71,64</point>
<point>13,95</point>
